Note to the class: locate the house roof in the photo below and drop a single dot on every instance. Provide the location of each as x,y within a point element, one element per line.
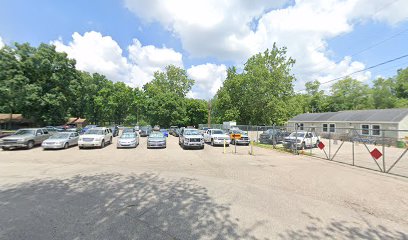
<point>76,120</point>
<point>375,115</point>
<point>15,117</point>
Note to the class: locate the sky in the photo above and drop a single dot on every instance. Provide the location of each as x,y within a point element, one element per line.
<point>128,40</point>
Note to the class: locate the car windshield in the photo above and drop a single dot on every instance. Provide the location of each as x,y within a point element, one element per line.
<point>299,135</point>
<point>128,130</point>
<point>60,136</point>
<point>156,135</point>
<point>217,132</point>
<point>144,128</point>
<point>94,131</point>
<point>237,131</point>
<point>191,132</point>
<point>25,131</point>
<point>128,135</point>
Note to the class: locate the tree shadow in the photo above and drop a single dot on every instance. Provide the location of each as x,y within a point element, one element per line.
<point>113,206</point>
<point>335,229</point>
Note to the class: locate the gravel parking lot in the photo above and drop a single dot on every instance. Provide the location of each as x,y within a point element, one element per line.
<point>194,194</point>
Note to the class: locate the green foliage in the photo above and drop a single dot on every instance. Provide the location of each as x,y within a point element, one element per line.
<point>350,94</point>
<point>261,94</point>
<point>45,86</point>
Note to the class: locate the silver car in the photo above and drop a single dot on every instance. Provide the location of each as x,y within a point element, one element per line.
<point>25,138</point>
<point>156,139</point>
<point>128,140</point>
<point>61,140</point>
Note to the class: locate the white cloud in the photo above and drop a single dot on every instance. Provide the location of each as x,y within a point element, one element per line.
<point>1,43</point>
<point>235,30</point>
<point>208,79</point>
<point>96,53</point>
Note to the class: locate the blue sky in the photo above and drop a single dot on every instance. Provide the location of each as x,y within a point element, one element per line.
<point>206,37</point>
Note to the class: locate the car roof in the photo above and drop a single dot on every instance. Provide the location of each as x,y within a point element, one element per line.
<point>100,128</point>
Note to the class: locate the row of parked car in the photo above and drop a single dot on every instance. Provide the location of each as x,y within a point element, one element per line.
<point>189,137</point>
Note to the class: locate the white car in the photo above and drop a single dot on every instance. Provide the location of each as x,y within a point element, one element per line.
<point>95,137</point>
<point>301,140</point>
<point>216,137</point>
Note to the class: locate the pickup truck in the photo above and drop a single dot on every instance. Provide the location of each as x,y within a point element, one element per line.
<point>189,138</point>
<point>243,139</point>
<point>301,140</point>
<point>216,137</point>
<point>25,138</point>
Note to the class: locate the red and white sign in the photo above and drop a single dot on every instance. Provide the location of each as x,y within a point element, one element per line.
<point>376,154</point>
<point>321,145</point>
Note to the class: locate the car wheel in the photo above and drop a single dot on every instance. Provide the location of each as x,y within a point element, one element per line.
<point>5,148</point>
<point>30,144</point>
<point>212,142</point>
<point>66,145</point>
<point>103,144</point>
<point>202,147</point>
<point>80,147</point>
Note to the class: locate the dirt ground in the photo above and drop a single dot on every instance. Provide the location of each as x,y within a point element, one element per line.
<point>194,194</point>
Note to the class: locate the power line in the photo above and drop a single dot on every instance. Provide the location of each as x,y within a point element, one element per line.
<point>362,70</point>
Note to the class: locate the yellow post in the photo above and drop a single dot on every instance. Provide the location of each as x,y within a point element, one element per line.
<point>224,146</point>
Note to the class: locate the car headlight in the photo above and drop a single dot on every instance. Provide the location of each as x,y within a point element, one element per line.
<point>215,138</point>
<point>187,139</point>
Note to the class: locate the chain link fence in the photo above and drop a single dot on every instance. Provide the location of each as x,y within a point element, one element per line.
<point>375,149</point>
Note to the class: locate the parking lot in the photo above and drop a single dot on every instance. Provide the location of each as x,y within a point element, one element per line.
<point>173,193</point>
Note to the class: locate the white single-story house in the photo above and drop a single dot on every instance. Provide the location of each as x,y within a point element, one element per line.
<point>389,123</point>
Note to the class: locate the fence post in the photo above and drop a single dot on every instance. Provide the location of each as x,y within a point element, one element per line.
<point>383,150</point>
<point>257,128</point>
<point>352,150</point>
<point>329,144</point>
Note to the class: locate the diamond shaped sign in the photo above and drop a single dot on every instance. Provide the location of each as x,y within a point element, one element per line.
<point>321,145</point>
<point>376,154</point>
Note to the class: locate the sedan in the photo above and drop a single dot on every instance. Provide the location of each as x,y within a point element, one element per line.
<point>61,140</point>
<point>156,139</point>
<point>128,140</point>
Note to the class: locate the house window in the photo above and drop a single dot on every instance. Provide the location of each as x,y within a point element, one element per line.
<point>376,130</point>
<point>301,126</point>
<point>365,129</point>
<point>325,127</point>
<point>332,127</point>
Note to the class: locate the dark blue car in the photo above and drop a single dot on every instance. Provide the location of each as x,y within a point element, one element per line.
<point>165,132</point>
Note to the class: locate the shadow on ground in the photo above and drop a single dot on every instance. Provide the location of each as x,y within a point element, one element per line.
<point>108,206</point>
<point>335,229</point>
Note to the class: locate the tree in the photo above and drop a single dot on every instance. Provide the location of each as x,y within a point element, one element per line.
<point>350,94</point>
<point>197,111</point>
<point>383,93</point>
<point>316,100</point>
<point>173,80</point>
<point>261,94</point>
<point>13,83</point>
<point>402,83</point>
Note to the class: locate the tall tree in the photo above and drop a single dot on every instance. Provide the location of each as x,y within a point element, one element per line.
<point>261,93</point>
<point>350,94</point>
